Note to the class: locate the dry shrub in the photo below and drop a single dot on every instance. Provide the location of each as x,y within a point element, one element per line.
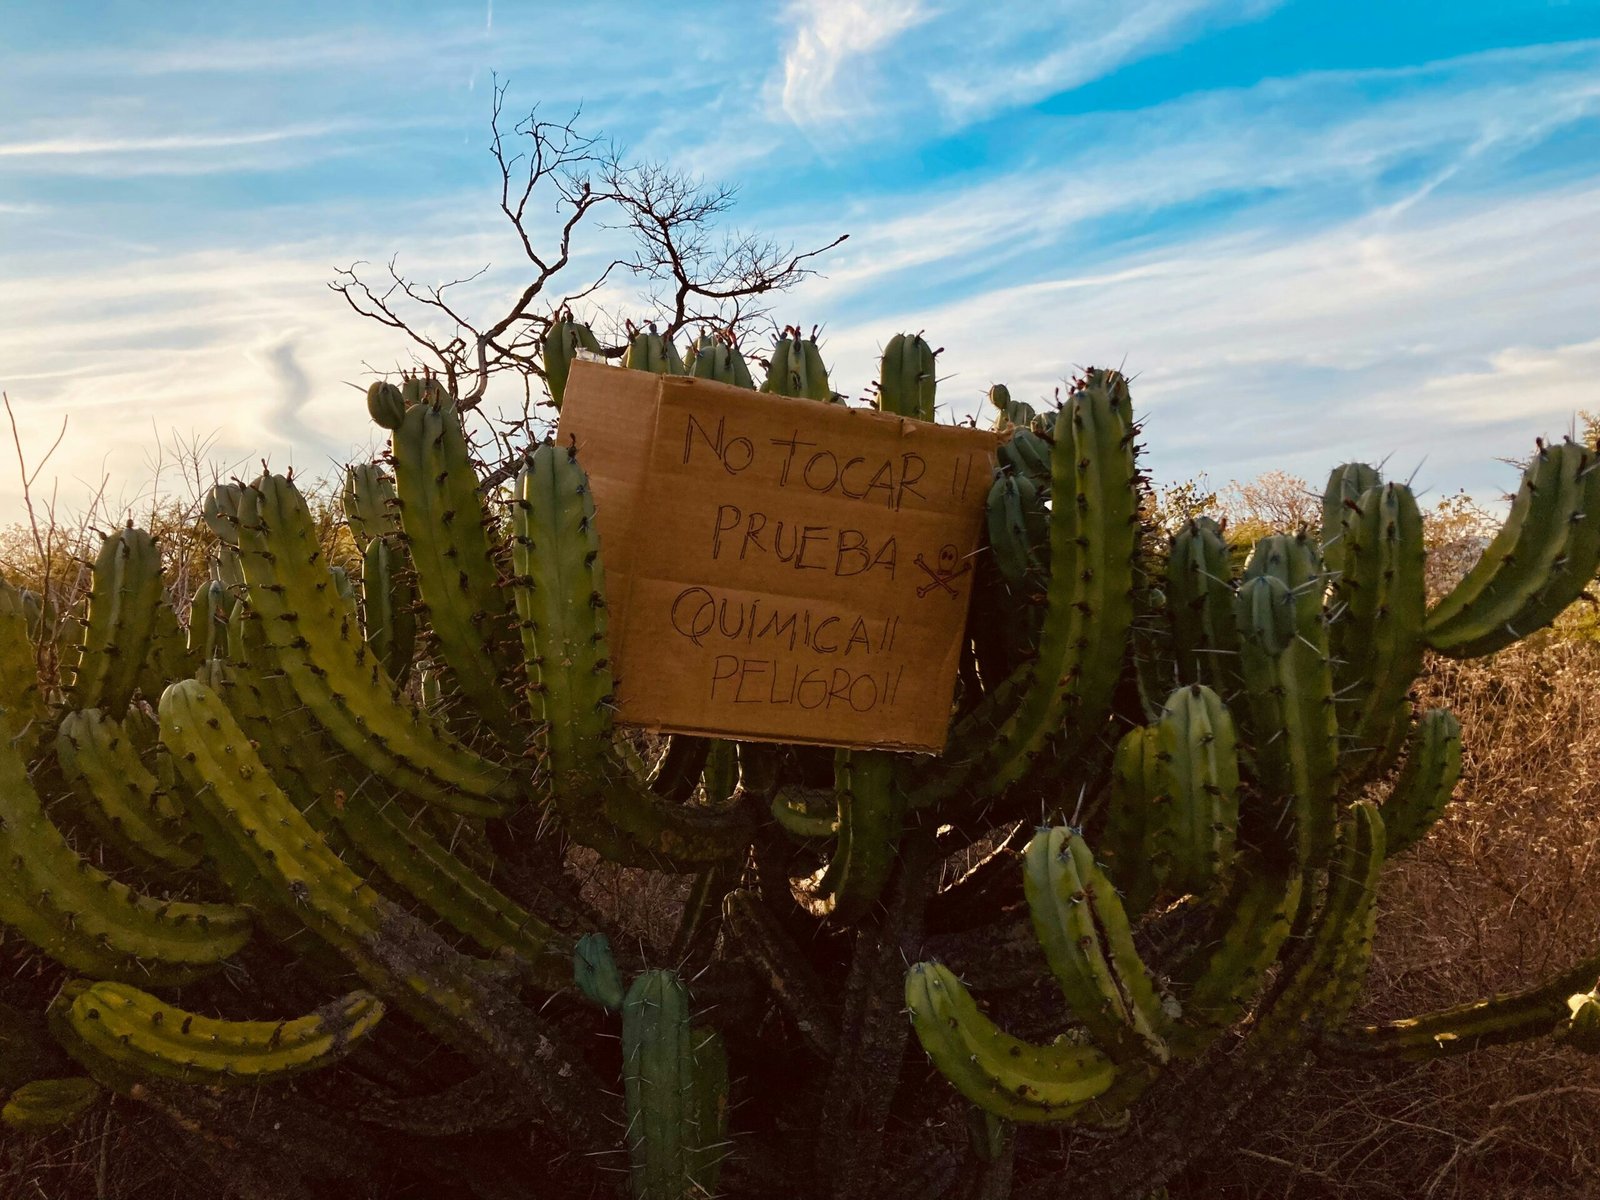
<point>1499,896</point>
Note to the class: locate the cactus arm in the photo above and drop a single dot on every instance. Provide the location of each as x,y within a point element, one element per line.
<point>1289,684</point>
<point>1463,1028</point>
<point>1093,537</point>
<point>1346,485</point>
<point>1132,848</point>
<point>332,670</point>
<point>1426,781</point>
<point>1195,749</point>
<point>208,620</point>
<point>88,921</point>
<point>168,658</point>
<point>20,696</point>
<point>400,958</point>
<point>1001,1074</point>
<point>595,971</point>
<point>1218,985</point>
<point>1321,982</point>
<point>560,346</point>
<point>797,369</point>
<point>124,592</point>
<point>47,1104</point>
<point>387,599</point>
<point>677,772</point>
<point>1541,560</point>
<point>404,851</point>
<point>707,1133</point>
<point>907,380</point>
<point>446,536</point>
<point>649,351</point>
<point>145,1036</point>
<point>560,587</point>
<point>1376,640</point>
<point>368,501</point>
<point>1199,592</point>
<point>871,809</point>
<point>124,801</point>
<point>1083,929</point>
<point>657,1080</point>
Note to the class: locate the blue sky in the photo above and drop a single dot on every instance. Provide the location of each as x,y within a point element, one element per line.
<point>1313,230</point>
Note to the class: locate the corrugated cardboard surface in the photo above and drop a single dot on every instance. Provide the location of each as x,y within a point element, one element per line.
<point>776,568</point>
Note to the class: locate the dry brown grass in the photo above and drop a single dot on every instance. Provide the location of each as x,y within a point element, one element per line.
<point>1500,895</point>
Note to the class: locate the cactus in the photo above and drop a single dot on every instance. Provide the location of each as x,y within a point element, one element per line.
<point>48,1104</point>
<point>135,1034</point>
<point>1539,562</point>
<point>124,592</point>
<point>649,351</point>
<point>717,357</point>
<point>675,1086</point>
<point>88,921</point>
<point>906,379</point>
<point>560,346</point>
<point>448,543</point>
<point>797,369</point>
<point>139,818</point>
<point>1223,764</point>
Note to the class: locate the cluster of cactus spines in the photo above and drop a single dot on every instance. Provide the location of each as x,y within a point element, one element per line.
<point>674,1077</point>
<point>124,1032</point>
<point>124,591</point>
<point>1235,899</point>
<point>797,369</point>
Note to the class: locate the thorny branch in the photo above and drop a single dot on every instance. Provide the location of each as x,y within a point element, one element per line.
<point>690,271</point>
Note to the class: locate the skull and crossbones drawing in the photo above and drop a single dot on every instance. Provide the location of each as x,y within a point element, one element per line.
<point>940,575</point>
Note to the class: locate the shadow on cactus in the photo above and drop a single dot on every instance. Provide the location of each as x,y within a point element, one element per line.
<point>308,880</point>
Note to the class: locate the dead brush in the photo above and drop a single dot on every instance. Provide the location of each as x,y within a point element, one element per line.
<point>1500,894</point>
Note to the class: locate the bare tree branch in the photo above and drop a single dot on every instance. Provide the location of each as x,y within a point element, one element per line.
<point>689,272</point>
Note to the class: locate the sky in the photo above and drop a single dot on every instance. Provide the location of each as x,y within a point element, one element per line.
<point>1311,231</point>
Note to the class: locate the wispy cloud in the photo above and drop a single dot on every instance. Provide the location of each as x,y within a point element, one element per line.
<point>133,144</point>
<point>854,65</point>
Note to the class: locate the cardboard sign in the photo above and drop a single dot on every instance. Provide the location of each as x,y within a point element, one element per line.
<point>779,569</point>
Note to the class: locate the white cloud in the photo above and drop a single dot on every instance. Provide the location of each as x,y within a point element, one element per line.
<point>855,67</point>
<point>1455,335</point>
<point>825,68</point>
